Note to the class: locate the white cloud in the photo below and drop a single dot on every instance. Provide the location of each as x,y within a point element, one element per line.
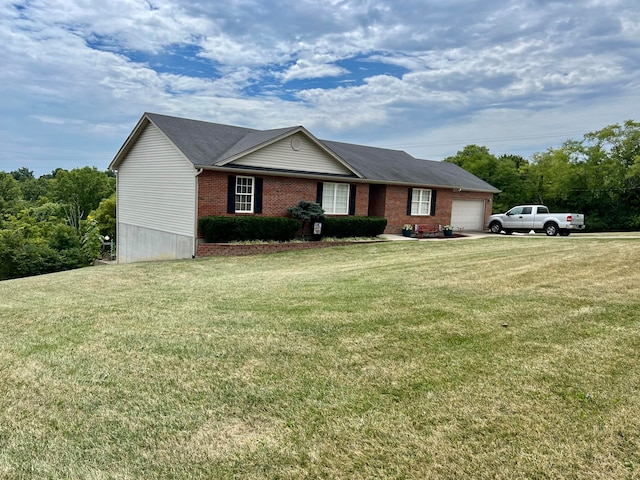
<point>469,70</point>
<point>304,69</point>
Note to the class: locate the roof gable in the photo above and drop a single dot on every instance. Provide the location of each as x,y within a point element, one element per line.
<point>208,144</point>
<point>213,145</point>
<point>252,141</point>
<point>296,152</point>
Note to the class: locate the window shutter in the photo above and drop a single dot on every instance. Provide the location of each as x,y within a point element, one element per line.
<point>409,201</point>
<point>433,202</point>
<point>319,194</point>
<point>257,199</point>
<point>352,199</point>
<point>231,194</point>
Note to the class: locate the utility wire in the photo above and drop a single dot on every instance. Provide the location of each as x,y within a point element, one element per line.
<point>488,139</point>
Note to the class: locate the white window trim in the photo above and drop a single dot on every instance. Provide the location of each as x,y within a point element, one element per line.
<point>251,194</point>
<point>418,201</point>
<point>335,187</point>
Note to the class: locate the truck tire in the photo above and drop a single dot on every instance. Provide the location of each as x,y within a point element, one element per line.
<point>495,227</point>
<point>551,229</point>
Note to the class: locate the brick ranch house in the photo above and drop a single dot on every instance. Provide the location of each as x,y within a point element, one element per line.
<point>171,171</point>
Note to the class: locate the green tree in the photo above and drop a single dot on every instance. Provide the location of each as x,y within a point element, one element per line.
<point>477,160</point>
<point>91,240</point>
<point>42,221</point>
<point>612,174</point>
<point>35,244</point>
<point>510,176</point>
<point>81,190</point>
<point>306,212</point>
<point>508,173</point>
<point>9,192</point>
<point>556,176</point>
<point>31,188</point>
<point>105,215</point>
<point>23,174</point>
<point>599,176</point>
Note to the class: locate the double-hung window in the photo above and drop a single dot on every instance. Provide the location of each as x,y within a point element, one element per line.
<point>335,198</point>
<point>244,194</point>
<point>420,201</point>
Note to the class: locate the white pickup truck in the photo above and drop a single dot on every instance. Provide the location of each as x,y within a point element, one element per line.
<point>525,218</point>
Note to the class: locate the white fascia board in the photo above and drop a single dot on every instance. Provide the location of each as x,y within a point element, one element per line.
<point>299,129</point>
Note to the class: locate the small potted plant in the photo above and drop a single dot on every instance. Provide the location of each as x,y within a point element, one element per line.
<point>407,230</point>
<point>447,230</point>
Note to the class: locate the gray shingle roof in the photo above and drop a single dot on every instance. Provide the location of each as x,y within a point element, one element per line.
<point>398,166</point>
<point>252,140</point>
<point>203,143</point>
<point>211,144</point>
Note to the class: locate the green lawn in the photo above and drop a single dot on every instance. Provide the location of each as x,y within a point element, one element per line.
<point>386,360</point>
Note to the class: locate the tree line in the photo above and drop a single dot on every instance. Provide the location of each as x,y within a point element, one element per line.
<point>58,221</point>
<point>55,222</point>
<point>598,176</point>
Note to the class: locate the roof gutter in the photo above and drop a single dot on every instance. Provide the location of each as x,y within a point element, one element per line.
<point>325,177</point>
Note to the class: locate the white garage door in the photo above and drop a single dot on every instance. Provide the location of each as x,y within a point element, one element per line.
<point>468,214</point>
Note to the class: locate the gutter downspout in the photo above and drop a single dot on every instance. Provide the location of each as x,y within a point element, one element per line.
<point>117,219</point>
<point>195,219</point>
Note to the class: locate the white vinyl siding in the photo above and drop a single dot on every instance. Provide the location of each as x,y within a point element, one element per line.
<point>295,153</point>
<point>421,201</point>
<point>335,198</point>
<point>157,186</point>
<point>244,194</point>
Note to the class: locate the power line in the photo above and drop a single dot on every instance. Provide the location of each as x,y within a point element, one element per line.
<point>488,139</point>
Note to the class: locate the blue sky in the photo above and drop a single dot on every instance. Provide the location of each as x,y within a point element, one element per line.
<point>427,77</point>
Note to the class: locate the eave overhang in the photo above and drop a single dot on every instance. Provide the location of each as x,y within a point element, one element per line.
<point>299,129</point>
<point>329,177</point>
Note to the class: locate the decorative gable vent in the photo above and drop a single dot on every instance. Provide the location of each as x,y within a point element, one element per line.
<point>296,154</point>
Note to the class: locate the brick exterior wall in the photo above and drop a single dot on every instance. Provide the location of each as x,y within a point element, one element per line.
<point>395,208</point>
<point>212,194</point>
<point>280,193</point>
<point>377,200</point>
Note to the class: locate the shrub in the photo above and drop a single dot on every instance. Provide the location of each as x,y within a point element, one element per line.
<point>63,237</point>
<point>352,226</point>
<point>306,211</point>
<point>21,256</point>
<point>105,215</point>
<point>91,239</point>
<point>217,229</point>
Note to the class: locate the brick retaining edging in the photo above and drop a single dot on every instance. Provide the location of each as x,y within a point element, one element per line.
<point>222,249</point>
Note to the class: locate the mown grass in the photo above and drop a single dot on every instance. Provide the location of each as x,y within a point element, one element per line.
<point>386,360</point>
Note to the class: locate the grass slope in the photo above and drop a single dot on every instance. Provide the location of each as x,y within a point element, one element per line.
<point>368,361</point>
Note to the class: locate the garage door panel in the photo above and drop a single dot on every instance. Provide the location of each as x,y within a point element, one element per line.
<point>468,214</point>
